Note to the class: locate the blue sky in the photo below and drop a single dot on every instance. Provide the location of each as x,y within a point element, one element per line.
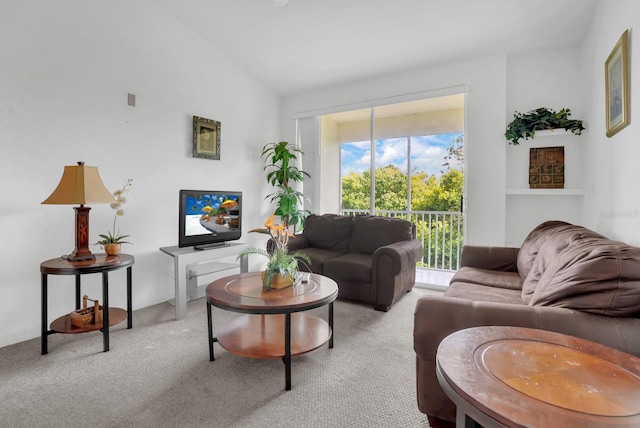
<point>427,153</point>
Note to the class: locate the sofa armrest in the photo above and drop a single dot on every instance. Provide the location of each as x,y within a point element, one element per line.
<point>490,258</point>
<point>297,242</point>
<point>400,254</point>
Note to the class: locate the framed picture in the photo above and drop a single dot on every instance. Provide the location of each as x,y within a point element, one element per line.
<point>206,138</point>
<point>616,71</point>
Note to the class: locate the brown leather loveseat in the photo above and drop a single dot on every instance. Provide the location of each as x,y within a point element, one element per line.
<point>564,278</point>
<point>371,258</point>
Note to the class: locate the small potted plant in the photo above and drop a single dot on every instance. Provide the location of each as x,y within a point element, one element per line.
<point>525,125</point>
<point>282,267</point>
<point>112,240</point>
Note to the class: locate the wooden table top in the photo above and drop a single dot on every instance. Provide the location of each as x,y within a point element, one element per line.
<point>102,263</point>
<point>244,293</point>
<point>535,378</point>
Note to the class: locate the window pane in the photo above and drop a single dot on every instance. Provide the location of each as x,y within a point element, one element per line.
<point>437,163</point>
<point>355,163</point>
<point>391,174</point>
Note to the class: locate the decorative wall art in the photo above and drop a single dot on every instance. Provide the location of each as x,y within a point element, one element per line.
<point>546,168</point>
<point>206,138</point>
<point>616,71</point>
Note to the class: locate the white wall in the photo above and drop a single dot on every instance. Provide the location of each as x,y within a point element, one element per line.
<point>67,67</point>
<point>485,123</point>
<point>612,165</point>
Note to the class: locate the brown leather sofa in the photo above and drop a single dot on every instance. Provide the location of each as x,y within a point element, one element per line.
<point>563,278</point>
<point>371,258</point>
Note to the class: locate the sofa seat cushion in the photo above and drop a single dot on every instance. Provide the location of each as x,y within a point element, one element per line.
<point>349,267</point>
<point>490,278</point>
<point>318,258</point>
<point>482,293</point>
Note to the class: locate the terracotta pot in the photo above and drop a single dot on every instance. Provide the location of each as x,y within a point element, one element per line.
<point>112,249</point>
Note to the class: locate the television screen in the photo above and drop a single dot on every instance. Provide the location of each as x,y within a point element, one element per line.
<point>209,217</point>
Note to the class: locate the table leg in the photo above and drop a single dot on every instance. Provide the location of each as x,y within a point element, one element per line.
<point>105,310</point>
<point>129,301</point>
<point>211,338</point>
<point>180,272</point>
<point>287,350</point>
<point>244,264</point>
<point>78,291</point>
<point>331,324</point>
<point>44,326</point>
<point>465,421</point>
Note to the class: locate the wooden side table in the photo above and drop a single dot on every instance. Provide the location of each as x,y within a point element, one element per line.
<point>517,377</point>
<point>102,264</point>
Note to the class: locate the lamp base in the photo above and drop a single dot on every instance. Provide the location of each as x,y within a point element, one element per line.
<point>79,258</point>
<point>82,252</point>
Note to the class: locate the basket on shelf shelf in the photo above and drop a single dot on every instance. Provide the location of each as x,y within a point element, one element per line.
<point>87,315</point>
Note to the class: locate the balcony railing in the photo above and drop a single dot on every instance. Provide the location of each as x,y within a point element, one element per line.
<point>439,232</point>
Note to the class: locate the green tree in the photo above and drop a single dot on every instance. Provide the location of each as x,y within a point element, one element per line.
<point>355,191</point>
<point>391,189</point>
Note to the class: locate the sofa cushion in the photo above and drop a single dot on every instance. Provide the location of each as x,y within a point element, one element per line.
<point>372,232</point>
<point>318,258</point>
<point>489,278</point>
<point>328,231</point>
<point>550,239</point>
<point>349,267</point>
<point>595,275</point>
<point>557,234</point>
<point>482,293</point>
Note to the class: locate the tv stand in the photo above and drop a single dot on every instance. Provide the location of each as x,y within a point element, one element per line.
<point>209,246</point>
<point>190,263</point>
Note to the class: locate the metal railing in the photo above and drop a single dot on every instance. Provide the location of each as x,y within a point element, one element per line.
<point>440,233</point>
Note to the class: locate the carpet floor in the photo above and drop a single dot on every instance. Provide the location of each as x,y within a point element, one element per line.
<point>158,374</point>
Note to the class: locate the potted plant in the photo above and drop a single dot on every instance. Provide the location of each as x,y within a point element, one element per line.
<point>282,267</point>
<point>112,240</point>
<point>525,125</point>
<point>282,173</point>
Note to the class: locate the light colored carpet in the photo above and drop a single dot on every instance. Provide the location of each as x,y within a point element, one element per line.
<point>158,374</point>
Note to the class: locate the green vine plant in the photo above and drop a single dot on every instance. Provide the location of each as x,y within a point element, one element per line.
<point>525,125</point>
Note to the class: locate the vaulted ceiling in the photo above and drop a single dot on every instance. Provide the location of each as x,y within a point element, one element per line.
<point>313,44</point>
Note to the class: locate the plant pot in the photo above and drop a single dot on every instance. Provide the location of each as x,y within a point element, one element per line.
<point>112,249</point>
<point>279,281</point>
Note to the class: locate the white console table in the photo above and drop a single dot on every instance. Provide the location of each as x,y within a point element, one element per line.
<point>189,263</point>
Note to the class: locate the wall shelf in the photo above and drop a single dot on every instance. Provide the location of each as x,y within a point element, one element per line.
<point>552,132</point>
<point>546,192</point>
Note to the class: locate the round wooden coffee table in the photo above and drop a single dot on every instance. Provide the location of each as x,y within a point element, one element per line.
<point>273,325</point>
<point>515,377</point>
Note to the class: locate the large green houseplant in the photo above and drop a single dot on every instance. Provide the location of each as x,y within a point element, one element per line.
<point>282,173</point>
<point>525,125</point>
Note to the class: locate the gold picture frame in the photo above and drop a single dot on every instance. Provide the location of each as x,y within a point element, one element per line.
<point>206,138</point>
<point>616,70</point>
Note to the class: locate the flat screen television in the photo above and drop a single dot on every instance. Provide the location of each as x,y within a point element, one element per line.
<point>209,218</point>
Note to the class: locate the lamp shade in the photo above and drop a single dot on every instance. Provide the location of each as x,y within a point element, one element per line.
<point>80,184</point>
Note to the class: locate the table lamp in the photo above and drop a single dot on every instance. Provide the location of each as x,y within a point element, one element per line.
<point>81,185</point>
